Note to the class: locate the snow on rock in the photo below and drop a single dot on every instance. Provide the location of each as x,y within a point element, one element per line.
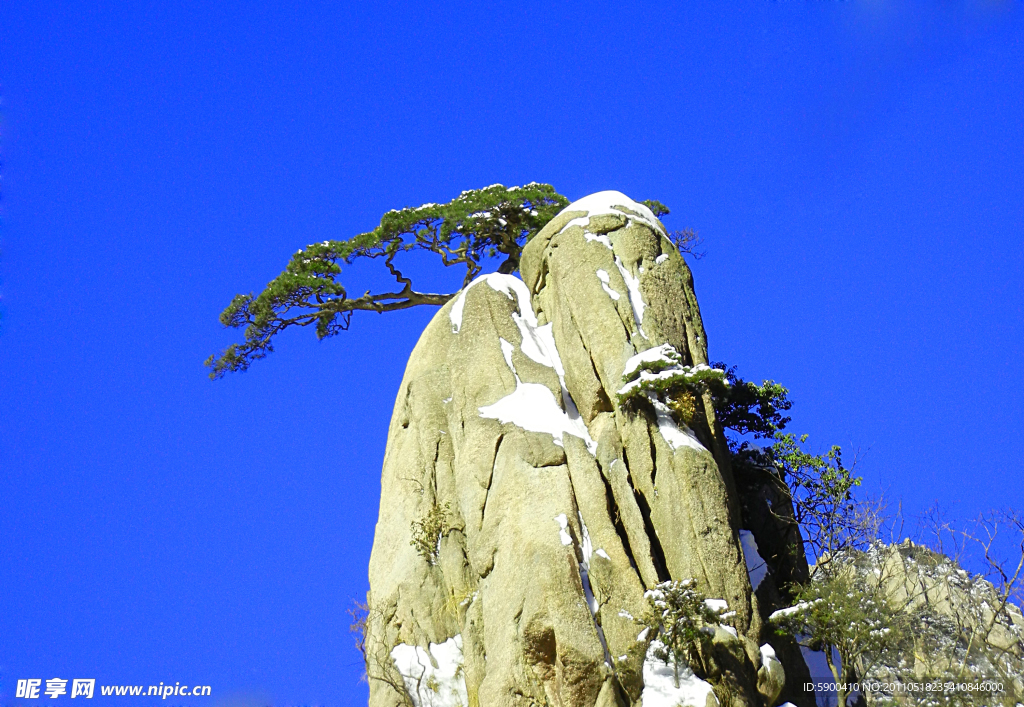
<point>587,550</point>
<point>588,547</point>
<point>563,529</point>
<point>606,202</point>
<point>756,566</point>
<point>613,202</point>
<point>597,238</point>
<point>636,301</point>
<point>667,374</point>
<point>773,678</point>
<point>455,313</point>
<point>661,259</point>
<point>671,432</point>
<point>666,353</point>
<point>605,280</point>
<point>531,406</point>
<point>717,605</point>
<point>443,686</point>
<point>660,688</point>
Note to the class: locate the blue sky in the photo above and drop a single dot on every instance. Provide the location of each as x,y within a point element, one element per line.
<point>856,170</point>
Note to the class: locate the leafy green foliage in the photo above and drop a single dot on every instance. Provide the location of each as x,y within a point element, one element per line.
<point>820,486</point>
<point>837,614</point>
<point>668,382</point>
<point>656,207</point>
<point>679,617</point>
<point>664,377</point>
<point>748,408</point>
<point>823,502</point>
<point>478,224</point>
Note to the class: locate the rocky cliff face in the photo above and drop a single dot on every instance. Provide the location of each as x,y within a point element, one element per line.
<point>524,512</point>
<point>964,629</point>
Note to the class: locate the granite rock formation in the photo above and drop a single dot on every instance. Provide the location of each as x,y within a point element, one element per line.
<point>524,512</point>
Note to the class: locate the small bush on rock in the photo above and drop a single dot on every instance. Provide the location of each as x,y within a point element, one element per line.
<point>427,533</point>
<point>682,620</point>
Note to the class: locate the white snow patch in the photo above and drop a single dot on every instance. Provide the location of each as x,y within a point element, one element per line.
<point>666,374</point>
<point>443,686</point>
<point>603,277</point>
<point>799,606</point>
<point>730,629</point>
<point>660,689</point>
<point>506,350</point>
<point>626,615</point>
<point>588,547</point>
<point>671,432</point>
<point>661,259</point>
<point>666,353</point>
<point>601,553</point>
<point>636,301</point>
<point>771,664</point>
<point>593,236</point>
<point>455,313</point>
<point>605,202</point>
<point>642,636</point>
<point>563,529</point>
<point>532,406</point>
<point>717,605</point>
<point>756,566</point>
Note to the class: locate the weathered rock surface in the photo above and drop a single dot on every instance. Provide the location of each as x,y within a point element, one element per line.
<point>964,628</point>
<point>544,510</point>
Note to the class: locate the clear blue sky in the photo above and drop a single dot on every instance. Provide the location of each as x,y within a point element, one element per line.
<point>857,171</point>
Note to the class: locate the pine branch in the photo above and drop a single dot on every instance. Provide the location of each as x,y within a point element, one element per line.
<point>478,224</point>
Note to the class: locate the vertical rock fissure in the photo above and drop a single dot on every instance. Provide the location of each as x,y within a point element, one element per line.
<point>657,552</point>
<point>605,400</point>
<point>490,480</point>
<point>616,518</point>
<point>433,466</point>
<point>654,456</point>
<point>583,566</point>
